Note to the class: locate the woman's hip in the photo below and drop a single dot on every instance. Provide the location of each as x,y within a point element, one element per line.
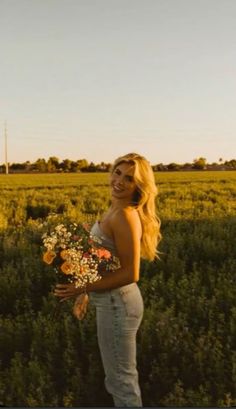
<point>125,302</point>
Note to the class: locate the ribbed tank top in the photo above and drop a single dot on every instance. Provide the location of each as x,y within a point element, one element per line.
<point>107,242</point>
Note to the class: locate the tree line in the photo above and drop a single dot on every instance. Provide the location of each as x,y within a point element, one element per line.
<point>53,164</point>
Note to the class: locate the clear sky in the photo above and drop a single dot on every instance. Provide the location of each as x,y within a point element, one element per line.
<point>96,79</point>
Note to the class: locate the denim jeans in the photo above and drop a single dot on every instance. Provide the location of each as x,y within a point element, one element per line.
<point>119,313</point>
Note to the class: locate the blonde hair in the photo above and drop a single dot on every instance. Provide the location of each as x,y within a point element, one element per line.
<point>144,202</point>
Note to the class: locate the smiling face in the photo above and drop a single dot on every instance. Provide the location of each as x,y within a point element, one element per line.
<point>122,182</point>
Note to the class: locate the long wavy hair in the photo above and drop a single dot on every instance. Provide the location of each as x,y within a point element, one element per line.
<point>144,201</point>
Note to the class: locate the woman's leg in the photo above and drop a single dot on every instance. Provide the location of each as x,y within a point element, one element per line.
<point>118,320</point>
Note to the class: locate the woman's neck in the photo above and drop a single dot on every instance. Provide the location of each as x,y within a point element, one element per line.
<point>117,204</point>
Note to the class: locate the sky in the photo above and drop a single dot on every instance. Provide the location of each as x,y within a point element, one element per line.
<point>97,79</point>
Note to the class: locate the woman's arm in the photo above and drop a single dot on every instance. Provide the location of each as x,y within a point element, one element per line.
<point>126,229</point>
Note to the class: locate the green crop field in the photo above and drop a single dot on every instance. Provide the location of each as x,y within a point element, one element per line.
<point>187,340</point>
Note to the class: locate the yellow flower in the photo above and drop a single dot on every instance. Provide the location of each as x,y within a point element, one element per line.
<point>67,268</point>
<point>64,254</point>
<point>49,256</point>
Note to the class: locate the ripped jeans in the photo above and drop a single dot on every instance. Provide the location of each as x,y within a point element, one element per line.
<point>119,313</point>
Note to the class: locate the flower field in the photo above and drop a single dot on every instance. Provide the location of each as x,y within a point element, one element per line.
<point>187,340</point>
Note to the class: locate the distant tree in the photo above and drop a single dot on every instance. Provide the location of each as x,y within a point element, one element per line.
<point>231,163</point>
<point>92,167</point>
<point>16,166</point>
<point>159,167</point>
<point>74,166</point>
<point>173,166</point>
<point>66,165</point>
<point>103,167</point>
<point>82,164</point>
<point>199,163</point>
<point>53,164</point>
<point>40,165</point>
<point>27,166</point>
<point>24,167</point>
<point>187,165</point>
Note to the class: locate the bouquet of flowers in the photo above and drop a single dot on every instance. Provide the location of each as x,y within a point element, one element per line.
<point>76,255</point>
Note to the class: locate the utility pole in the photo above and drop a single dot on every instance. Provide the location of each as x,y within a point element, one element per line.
<point>6,159</point>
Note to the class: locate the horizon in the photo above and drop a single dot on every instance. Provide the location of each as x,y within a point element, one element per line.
<point>96,80</point>
<point>220,161</point>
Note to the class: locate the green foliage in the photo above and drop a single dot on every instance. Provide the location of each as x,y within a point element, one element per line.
<point>186,343</point>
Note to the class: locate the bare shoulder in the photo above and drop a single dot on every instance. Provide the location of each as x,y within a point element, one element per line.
<point>127,220</point>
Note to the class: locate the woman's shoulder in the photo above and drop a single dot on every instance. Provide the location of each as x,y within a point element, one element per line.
<point>125,213</point>
<point>126,218</point>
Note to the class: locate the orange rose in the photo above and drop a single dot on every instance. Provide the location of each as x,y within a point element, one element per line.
<point>49,256</point>
<point>67,268</point>
<point>103,253</point>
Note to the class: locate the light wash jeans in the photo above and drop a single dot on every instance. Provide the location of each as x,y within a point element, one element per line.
<point>119,313</point>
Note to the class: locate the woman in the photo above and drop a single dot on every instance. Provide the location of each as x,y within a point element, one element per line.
<point>130,229</point>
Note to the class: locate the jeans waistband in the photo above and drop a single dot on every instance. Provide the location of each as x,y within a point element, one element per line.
<point>115,290</point>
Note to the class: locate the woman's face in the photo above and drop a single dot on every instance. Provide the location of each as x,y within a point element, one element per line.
<point>122,182</point>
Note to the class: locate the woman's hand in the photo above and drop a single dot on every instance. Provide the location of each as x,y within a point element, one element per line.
<point>66,291</point>
<point>80,306</point>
